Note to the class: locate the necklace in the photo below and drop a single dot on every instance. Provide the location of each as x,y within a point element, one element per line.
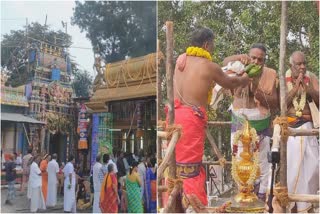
<point>199,52</point>
<point>298,106</point>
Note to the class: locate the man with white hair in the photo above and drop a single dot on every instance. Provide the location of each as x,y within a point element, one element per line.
<point>303,151</point>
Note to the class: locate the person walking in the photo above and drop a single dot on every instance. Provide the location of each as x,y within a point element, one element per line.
<point>10,168</point>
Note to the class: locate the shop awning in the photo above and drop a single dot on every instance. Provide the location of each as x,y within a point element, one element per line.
<point>19,118</point>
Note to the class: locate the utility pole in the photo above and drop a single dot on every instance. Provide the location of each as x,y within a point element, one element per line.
<point>26,46</point>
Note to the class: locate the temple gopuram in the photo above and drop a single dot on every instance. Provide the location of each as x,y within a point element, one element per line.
<point>48,94</point>
<point>123,107</point>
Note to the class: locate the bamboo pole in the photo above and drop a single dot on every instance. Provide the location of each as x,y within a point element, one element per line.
<point>304,198</point>
<point>283,104</point>
<point>161,188</point>
<point>162,134</point>
<point>172,200</point>
<point>213,145</point>
<point>219,123</point>
<point>215,162</point>
<point>170,151</point>
<point>303,132</point>
<point>170,96</point>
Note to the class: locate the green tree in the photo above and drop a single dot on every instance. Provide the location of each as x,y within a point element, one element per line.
<point>15,46</point>
<point>118,28</point>
<point>82,83</point>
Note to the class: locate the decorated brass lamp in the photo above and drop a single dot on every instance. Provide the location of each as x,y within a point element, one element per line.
<point>245,170</point>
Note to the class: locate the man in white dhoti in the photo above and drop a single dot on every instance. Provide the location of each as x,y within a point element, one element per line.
<point>69,204</point>
<point>96,185</point>
<point>37,199</point>
<point>53,170</point>
<point>302,151</point>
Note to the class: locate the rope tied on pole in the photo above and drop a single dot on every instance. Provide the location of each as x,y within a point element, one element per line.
<point>174,182</point>
<point>173,128</point>
<point>281,194</point>
<point>283,123</point>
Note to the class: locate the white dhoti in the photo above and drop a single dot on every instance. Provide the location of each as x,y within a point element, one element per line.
<point>264,145</point>
<point>69,202</point>
<point>303,166</point>
<point>29,190</point>
<point>53,169</point>
<point>96,204</point>
<point>37,199</point>
<point>52,194</point>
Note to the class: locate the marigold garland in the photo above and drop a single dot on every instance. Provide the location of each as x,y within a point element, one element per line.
<point>199,52</point>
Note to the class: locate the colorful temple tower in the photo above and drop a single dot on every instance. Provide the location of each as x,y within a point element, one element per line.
<point>50,95</point>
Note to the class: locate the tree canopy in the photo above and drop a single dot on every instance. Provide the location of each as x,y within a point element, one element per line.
<point>118,28</point>
<point>82,83</point>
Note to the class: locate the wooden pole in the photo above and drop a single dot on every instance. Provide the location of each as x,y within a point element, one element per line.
<point>159,102</point>
<point>304,198</point>
<point>213,145</point>
<point>172,200</point>
<point>169,154</point>
<point>219,123</point>
<point>303,132</point>
<point>283,104</point>
<point>169,70</point>
<point>170,96</point>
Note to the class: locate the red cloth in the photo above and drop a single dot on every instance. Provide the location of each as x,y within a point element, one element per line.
<point>190,147</point>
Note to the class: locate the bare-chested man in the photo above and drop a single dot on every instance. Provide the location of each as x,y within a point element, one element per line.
<point>255,102</point>
<point>302,151</point>
<point>194,74</point>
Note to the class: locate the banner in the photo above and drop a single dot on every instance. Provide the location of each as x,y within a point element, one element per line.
<point>94,142</point>
<point>82,128</point>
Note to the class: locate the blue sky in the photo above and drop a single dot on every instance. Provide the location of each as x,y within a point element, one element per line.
<point>14,14</point>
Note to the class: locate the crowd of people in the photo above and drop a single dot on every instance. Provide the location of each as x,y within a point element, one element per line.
<point>126,183</point>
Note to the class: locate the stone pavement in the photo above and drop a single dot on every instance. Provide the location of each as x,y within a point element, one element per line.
<point>21,204</point>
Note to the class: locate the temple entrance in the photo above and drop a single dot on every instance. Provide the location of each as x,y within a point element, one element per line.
<point>57,145</point>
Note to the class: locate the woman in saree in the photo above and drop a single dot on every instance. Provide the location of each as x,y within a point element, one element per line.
<point>151,180</point>
<point>133,185</point>
<point>109,192</point>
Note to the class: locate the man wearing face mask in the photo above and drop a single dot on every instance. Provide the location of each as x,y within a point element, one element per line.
<point>302,151</point>
<point>255,101</point>
<point>193,76</point>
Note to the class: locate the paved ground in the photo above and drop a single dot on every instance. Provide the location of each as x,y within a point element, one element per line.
<point>22,205</point>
